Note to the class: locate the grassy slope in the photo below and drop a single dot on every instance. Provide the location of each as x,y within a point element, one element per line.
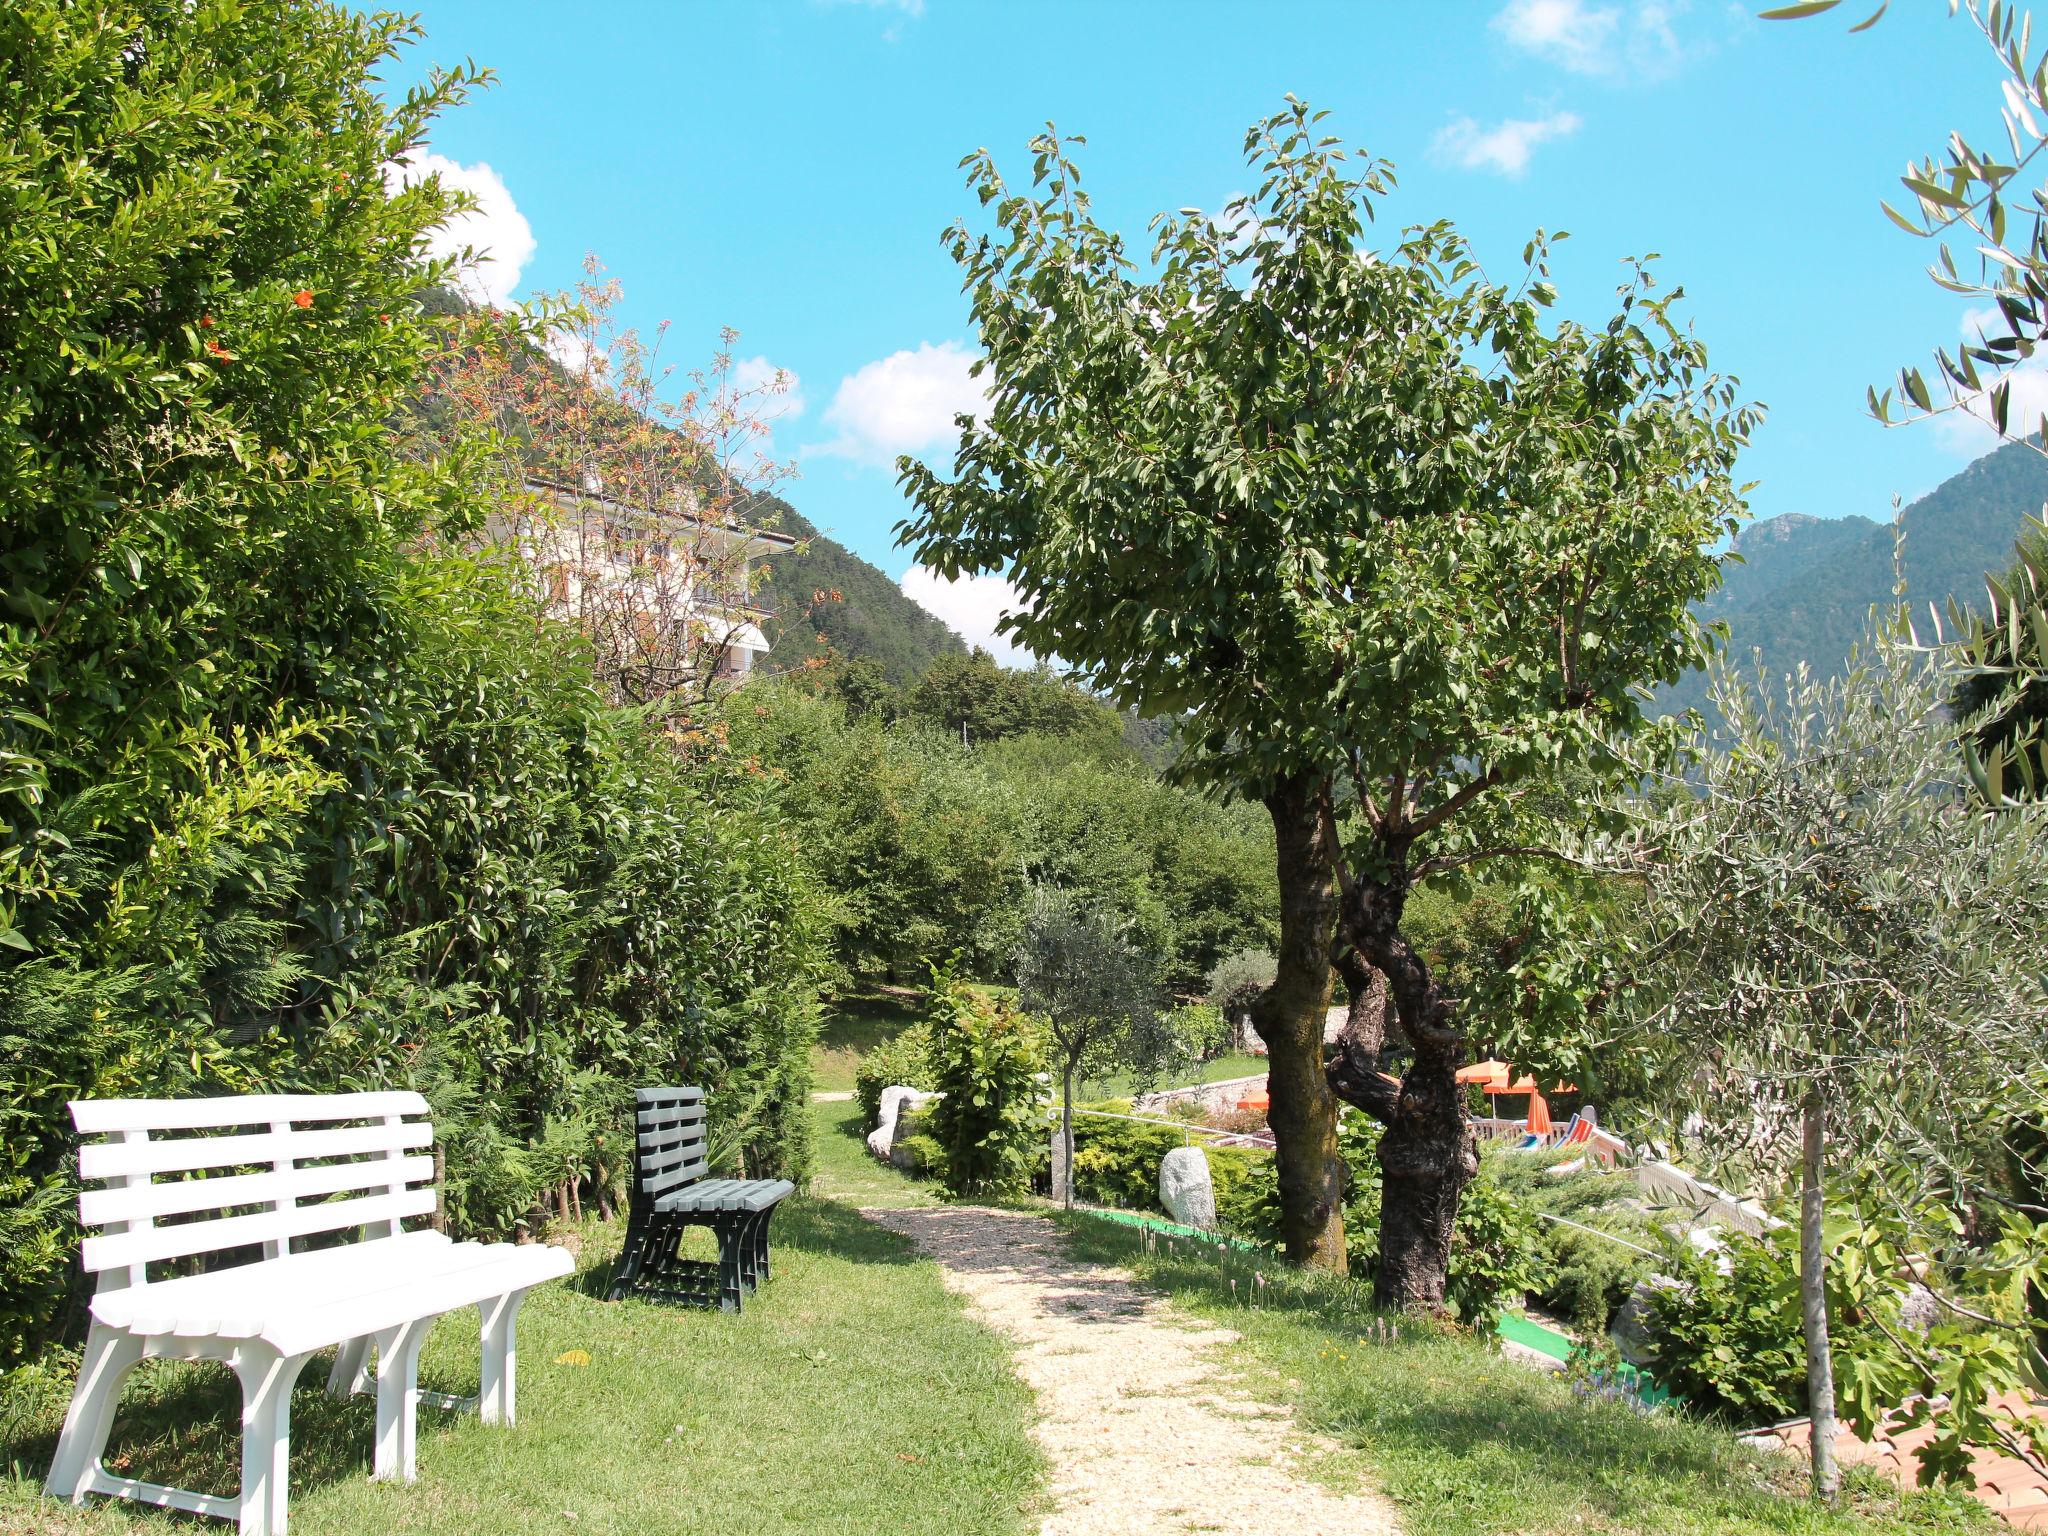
<point>851,1385</point>
<point>856,1026</point>
<point>1467,1442</point>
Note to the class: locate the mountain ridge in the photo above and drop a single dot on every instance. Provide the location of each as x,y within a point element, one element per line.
<point>1804,586</point>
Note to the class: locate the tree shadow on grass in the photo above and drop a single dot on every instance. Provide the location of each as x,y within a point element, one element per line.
<point>179,1423</point>
<point>1424,1393</point>
<point>832,1227</point>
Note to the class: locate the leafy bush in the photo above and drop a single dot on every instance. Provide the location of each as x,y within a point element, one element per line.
<point>1732,1342</point>
<point>1237,980</point>
<point>1581,1276</point>
<point>1197,1032</point>
<point>905,1060</point>
<point>297,791</point>
<point>1493,1251</point>
<point>1116,1162</point>
<point>920,1155</point>
<point>988,1060</point>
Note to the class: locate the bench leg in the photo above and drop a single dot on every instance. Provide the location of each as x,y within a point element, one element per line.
<point>761,1243</point>
<point>732,1267</point>
<point>345,1379</point>
<point>500,1358</point>
<point>109,1357</point>
<point>398,1399</point>
<point>632,1257</point>
<point>267,1379</point>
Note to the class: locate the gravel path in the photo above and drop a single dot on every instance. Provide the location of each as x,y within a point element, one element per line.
<point>1144,1430</point>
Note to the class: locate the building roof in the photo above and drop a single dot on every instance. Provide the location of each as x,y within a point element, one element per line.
<point>556,488</point>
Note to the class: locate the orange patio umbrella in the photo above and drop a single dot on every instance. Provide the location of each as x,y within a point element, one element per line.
<point>1539,1116</point>
<point>1485,1072</point>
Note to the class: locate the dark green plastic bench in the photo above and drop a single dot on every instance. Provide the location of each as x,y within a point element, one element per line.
<point>671,1193</point>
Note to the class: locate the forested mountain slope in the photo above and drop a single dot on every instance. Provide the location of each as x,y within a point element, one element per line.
<point>1805,585</point>
<point>822,588</point>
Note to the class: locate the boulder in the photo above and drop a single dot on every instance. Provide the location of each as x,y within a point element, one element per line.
<point>1919,1311</point>
<point>1186,1190</point>
<point>896,1099</point>
<point>1633,1330</point>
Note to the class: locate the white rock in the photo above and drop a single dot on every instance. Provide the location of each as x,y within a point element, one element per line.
<point>895,1100</point>
<point>1186,1190</point>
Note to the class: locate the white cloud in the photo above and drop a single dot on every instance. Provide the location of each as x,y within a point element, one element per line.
<point>902,403</point>
<point>494,228</point>
<point>1968,432</point>
<point>1505,147</point>
<point>773,394</point>
<point>1634,41</point>
<point>970,606</point>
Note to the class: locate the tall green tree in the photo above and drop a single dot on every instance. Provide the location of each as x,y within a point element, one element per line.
<point>1835,950</point>
<point>1400,548</point>
<point>1079,971</point>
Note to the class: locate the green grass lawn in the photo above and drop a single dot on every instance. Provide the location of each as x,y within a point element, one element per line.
<point>1469,1443</point>
<point>853,1395</point>
<point>854,1026</point>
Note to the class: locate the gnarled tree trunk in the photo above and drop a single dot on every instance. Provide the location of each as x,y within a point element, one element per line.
<point>1289,1018</point>
<point>1429,1150</point>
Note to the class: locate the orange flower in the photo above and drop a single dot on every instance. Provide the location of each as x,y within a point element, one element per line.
<point>220,353</point>
<point>303,298</point>
<point>206,322</point>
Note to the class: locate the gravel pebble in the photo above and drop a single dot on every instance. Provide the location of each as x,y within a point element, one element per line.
<point>1143,1430</point>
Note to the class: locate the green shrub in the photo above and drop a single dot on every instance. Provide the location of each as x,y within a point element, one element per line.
<point>907,1060</point>
<point>921,1156</point>
<point>1198,1032</point>
<point>296,791</point>
<point>989,1060</point>
<point>1580,1275</point>
<point>1732,1342</point>
<point>1116,1163</point>
<point>1493,1252</point>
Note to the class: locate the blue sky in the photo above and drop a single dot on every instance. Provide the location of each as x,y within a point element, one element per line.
<point>786,169</point>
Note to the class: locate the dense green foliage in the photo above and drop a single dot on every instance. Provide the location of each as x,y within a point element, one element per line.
<point>2003,693</point>
<point>295,793</point>
<point>1405,547</point>
<point>931,846</point>
<point>988,1060</point>
<point>1580,1275</point>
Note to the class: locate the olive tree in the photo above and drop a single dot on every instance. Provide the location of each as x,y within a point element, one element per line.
<point>1987,196</point>
<point>1837,950</point>
<point>1398,547</point>
<point>1079,971</point>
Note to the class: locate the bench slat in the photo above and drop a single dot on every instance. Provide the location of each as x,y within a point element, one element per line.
<point>225,1191</point>
<point>666,1121</point>
<point>115,1160</point>
<point>120,1249</point>
<point>107,1116</point>
<point>679,1095</point>
<point>309,1277</point>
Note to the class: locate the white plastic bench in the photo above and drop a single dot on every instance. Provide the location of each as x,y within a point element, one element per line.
<point>235,1181</point>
